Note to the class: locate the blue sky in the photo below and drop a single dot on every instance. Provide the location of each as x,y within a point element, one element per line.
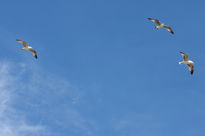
<point>103,68</point>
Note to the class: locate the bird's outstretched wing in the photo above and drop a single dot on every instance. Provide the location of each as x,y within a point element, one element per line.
<point>155,20</point>
<point>33,52</point>
<point>169,29</point>
<point>22,42</point>
<point>191,68</point>
<point>185,56</point>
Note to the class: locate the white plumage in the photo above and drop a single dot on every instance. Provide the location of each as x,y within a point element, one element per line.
<point>160,25</point>
<point>26,47</point>
<point>189,63</point>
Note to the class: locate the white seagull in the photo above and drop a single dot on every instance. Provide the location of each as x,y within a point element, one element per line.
<point>189,63</point>
<point>26,47</point>
<point>160,25</point>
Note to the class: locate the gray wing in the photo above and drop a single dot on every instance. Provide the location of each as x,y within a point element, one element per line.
<point>22,42</point>
<point>185,56</point>
<point>33,52</point>
<point>155,20</point>
<point>191,68</point>
<point>169,29</point>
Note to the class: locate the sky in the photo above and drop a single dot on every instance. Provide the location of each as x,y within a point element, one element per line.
<point>102,68</point>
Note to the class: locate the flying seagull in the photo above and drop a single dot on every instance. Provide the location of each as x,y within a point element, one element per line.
<point>26,47</point>
<point>160,25</point>
<point>189,63</point>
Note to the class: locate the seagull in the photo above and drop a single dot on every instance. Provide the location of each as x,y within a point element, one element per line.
<point>189,63</point>
<point>160,25</point>
<point>26,47</point>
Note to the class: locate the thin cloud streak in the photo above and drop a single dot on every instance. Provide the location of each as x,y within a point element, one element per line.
<point>32,95</point>
<point>11,122</point>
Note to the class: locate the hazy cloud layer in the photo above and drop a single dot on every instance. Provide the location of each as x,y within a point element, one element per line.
<point>12,122</point>
<point>35,103</point>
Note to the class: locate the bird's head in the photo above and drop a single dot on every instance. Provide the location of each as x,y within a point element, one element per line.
<point>157,27</point>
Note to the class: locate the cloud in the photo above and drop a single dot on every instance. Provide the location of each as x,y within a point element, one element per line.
<point>11,122</point>
<point>34,102</point>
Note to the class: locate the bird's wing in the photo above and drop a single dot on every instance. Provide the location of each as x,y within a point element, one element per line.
<point>169,29</point>
<point>185,56</point>
<point>191,68</point>
<point>33,52</point>
<point>155,20</point>
<point>22,42</point>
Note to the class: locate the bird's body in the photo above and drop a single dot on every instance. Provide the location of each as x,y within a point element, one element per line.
<point>26,48</point>
<point>161,25</point>
<point>29,48</point>
<point>188,62</point>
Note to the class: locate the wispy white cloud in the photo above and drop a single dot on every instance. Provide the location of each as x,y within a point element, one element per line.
<point>11,122</point>
<point>35,103</point>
